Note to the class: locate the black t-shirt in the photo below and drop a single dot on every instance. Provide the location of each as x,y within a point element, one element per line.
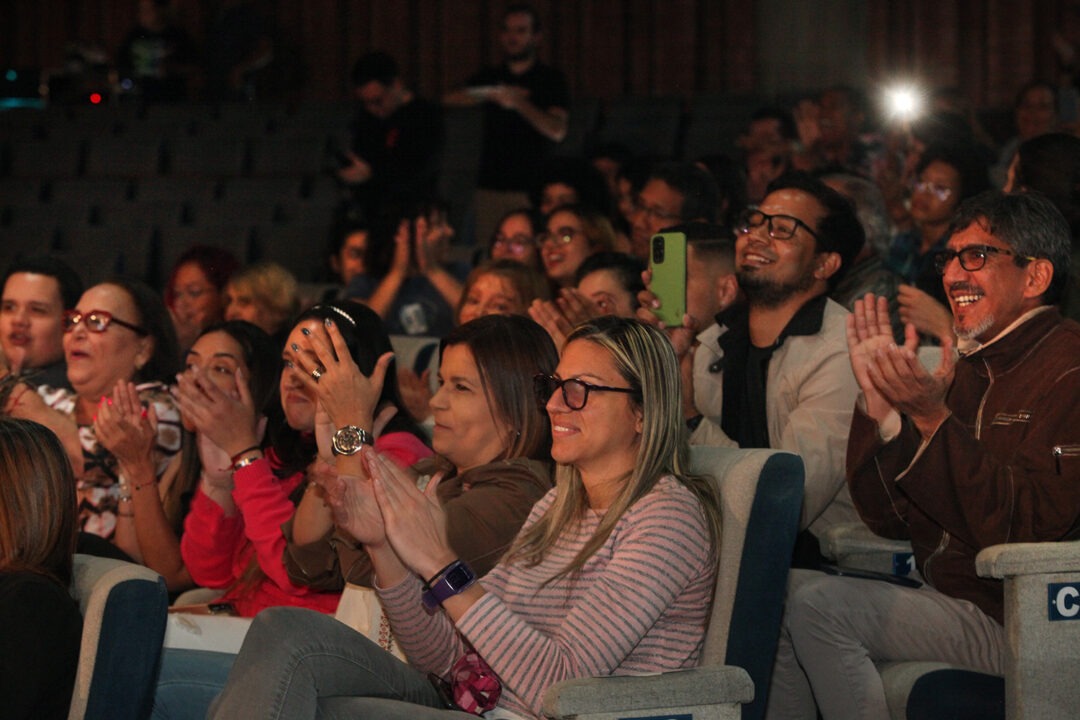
<point>513,149</point>
<point>39,647</point>
<point>403,150</point>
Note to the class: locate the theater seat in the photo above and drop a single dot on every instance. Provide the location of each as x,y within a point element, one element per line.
<point>761,496</point>
<point>123,607</point>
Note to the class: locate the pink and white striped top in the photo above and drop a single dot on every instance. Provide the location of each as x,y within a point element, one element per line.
<point>640,605</point>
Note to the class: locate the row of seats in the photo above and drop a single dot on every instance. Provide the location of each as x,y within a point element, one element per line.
<point>316,189</point>
<point>149,252</point>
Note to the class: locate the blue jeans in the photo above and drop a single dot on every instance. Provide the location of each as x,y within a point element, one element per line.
<point>189,682</point>
<point>298,663</point>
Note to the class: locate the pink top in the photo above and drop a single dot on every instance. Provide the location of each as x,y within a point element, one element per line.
<point>218,549</point>
<point>640,605</point>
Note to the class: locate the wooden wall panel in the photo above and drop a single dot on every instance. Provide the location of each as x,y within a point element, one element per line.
<point>608,48</point>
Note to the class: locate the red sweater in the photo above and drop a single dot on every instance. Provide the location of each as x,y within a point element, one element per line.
<point>218,549</point>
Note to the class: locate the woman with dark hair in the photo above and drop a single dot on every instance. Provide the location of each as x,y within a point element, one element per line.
<point>515,238</point>
<point>225,355</point>
<point>42,627</point>
<point>119,331</point>
<point>195,290</point>
<point>625,527</point>
<point>572,233</point>
<point>233,539</point>
<point>946,176</point>
<point>492,445</point>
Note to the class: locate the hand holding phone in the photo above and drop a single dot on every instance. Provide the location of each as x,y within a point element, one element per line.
<point>667,261</point>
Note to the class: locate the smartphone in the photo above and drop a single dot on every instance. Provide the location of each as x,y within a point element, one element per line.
<point>667,260</point>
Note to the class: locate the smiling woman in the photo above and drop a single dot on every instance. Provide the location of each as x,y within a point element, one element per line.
<point>119,331</point>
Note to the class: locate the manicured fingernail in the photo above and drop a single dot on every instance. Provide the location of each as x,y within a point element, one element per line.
<point>328,322</point>
<point>295,347</point>
<point>289,364</point>
<point>305,331</point>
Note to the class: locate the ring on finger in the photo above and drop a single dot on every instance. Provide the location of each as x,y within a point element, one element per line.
<point>316,374</point>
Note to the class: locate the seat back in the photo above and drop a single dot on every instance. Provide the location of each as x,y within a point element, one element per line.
<point>760,498</point>
<point>124,608</point>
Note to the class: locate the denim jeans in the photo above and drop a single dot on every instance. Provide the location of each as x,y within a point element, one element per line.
<point>297,664</point>
<point>189,682</point>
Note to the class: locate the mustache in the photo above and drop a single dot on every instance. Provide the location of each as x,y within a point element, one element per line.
<point>964,287</point>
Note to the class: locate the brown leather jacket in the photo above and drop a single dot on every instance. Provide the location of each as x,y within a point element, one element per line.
<point>485,507</point>
<point>1004,467</point>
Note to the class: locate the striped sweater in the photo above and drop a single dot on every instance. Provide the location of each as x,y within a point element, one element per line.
<point>640,605</point>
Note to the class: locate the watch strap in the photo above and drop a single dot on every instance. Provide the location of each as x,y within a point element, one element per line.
<point>455,578</point>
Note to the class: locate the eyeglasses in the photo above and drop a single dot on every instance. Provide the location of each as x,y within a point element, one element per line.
<point>780,227</point>
<point>562,236</point>
<point>575,393</point>
<point>97,321</point>
<point>657,214</point>
<point>941,192</point>
<point>972,257</point>
<point>516,243</point>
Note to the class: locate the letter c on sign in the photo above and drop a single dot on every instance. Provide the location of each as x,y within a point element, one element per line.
<point>1068,601</point>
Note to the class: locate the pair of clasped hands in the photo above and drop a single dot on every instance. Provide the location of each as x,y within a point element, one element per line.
<point>891,376</point>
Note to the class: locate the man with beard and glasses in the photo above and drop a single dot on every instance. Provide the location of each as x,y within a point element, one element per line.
<point>979,451</point>
<point>774,371</point>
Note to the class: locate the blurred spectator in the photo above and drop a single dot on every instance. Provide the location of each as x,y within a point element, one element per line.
<point>515,238</point>
<point>157,57</point>
<point>525,104</point>
<point>397,137</point>
<point>673,193</point>
<point>574,232</point>
<point>1036,113</point>
<point>264,294</point>
<point>36,291</point>
<point>195,291</point>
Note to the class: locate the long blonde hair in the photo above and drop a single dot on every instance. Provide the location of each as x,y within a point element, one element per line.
<point>647,362</point>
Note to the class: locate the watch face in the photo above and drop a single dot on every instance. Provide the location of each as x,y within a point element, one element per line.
<point>459,577</point>
<point>347,440</point>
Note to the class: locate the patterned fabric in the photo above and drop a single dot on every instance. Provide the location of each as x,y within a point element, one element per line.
<point>99,485</point>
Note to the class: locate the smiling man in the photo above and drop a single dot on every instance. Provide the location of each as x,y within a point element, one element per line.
<point>774,371</point>
<point>36,291</point>
<point>974,453</point>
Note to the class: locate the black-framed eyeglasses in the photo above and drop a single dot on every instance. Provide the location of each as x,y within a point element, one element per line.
<point>97,321</point>
<point>656,213</point>
<point>575,393</point>
<point>973,257</point>
<point>562,236</point>
<point>780,227</point>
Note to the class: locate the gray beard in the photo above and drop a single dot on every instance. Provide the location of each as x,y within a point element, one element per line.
<point>770,293</point>
<point>975,332</point>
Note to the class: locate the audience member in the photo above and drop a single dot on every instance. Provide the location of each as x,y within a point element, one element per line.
<point>773,371</point>
<point>493,448</point>
<point>525,105</point>
<point>347,253</point>
<point>610,282</point>
<point>769,143</point>
<point>673,193</point>
<point>232,536</point>
<point>623,507</point>
<point>939,457</point>
<point>1035,113</point>
<point>397,137</point>
<point>501,287</point>
<point>157,57</point>
<point>265,294</point>
<point>226,355</point>
<point>39,647</point>
<point>515,238</point>
<point>868,273</point>
<point>832,134</point>
<point>118,331</point>
<point>195,290</point>
<point>410,283</point>
<point>569,181</point>
<point>36,291</point>
<point>574,232</point>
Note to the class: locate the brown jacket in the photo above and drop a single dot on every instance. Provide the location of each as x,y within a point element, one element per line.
<point>1004,467</point>
<point>485,507</point>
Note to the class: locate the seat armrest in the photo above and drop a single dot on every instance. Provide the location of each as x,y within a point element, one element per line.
<point>618,694</point>
<point>853,545</point>
<point>1013,559</point>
